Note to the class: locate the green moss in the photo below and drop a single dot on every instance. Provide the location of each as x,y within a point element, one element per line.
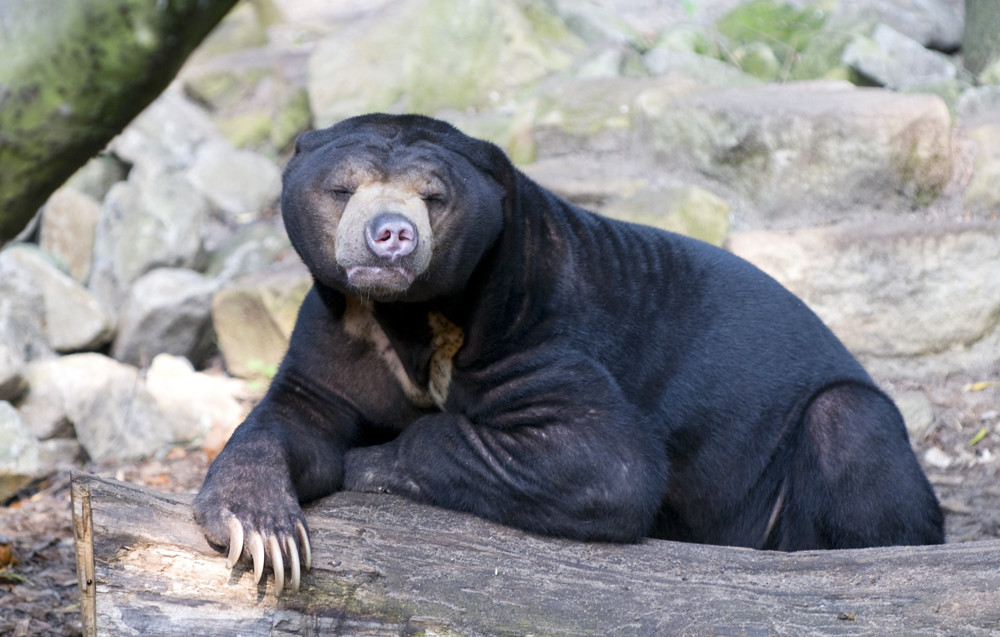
<point>688,38</point>
<point>923,176</point>
<point>586,109</point>
<point>70,79</point>
<point>688,210</point>
<point>769,21</point>
<point>821,57</point>
<point>241,29</point>
<point>544,23</point>
<point>479,52</point>
<point>758,60</point>
<point>247,130</point>
<point>797,37</point>
<point>292,119</point>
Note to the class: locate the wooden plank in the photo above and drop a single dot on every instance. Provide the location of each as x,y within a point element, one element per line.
<point>385,566</point>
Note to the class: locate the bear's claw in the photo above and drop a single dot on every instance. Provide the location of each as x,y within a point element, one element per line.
<point>260,549</point>
<point>235,541</point>
<point>256,546</point>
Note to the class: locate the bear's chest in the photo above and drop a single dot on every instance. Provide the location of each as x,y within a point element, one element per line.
<point>423,367</point>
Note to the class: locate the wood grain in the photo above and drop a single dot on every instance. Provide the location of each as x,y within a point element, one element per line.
<point>383,565</point>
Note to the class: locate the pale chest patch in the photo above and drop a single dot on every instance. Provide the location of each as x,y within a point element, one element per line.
<point>447,339</point>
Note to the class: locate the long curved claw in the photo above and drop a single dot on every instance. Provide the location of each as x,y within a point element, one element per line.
<point>277,564</point>
<point>293,562</point>
<point>235,541</point>
<point>304,544</point>
<point>257,552</point>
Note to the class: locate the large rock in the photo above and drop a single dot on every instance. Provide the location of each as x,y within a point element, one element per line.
<point>254,317</point>
<point>96,177</point>
<point>932,23</point>
<point>252,248</point>
<point>893,60</point>
<point>592,116</point>
<point>115,416</point>
<point>980,44</point>
<point>707,71</point>
<point>168,310</point>
<point>256,96</point>
<point>12,381</point>
<point>978,105</point>
<point>167,135</point>
<point>19,461</point>
<point>42,407</point>
<point>890,290</point>
<point>687,210</point>
<point>982,195</point>
<point>837,147</point>
<point>193,403</point>
<point>239,183</point>
<point>425,55</point>
<point>596,24</point>
<point>43,410</point>
<point>74,320</point>
<point>69,220</point>
<point>22,312</point>
<point>155,219</point>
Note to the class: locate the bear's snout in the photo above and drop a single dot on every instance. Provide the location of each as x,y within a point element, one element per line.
<point>390,236</point>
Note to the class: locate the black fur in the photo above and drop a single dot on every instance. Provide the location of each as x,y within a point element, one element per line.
<point>615,382</point>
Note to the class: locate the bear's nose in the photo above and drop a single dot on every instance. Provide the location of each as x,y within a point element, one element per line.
<point>390,236</point>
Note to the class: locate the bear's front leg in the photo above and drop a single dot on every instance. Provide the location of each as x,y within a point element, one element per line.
<point>589,475</point>
<point>376,470</point>
<point>282,455</point>
<point>248,504</point>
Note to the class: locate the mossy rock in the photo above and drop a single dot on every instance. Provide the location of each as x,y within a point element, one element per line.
<point>687,210</point>
<point>246,130</point>
<point>254,316</point>
<point>240,29</point>
<point>428,55</point>
<point>292,118</point>
<point>688,38</point>
<point>758,60</point>
<point>796,38</point>
<point>769,21</point>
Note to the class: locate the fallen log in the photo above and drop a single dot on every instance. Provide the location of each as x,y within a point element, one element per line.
<point>383,565</point>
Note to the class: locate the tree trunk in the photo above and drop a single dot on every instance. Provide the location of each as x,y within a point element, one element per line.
<point>981,41</point>
<point>73,73</point>
<point>383,565</point>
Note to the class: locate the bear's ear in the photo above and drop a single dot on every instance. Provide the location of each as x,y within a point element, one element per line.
<point>311,140</point>
<point>484,156</point>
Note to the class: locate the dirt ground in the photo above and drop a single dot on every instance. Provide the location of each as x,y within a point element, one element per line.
<point>38,588</point>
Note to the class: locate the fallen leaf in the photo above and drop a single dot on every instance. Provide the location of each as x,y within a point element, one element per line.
<point>10,577</point>
<point>980,386</point>
<point>979,435</point>
<point>158,480</point>
<point>7,556</point>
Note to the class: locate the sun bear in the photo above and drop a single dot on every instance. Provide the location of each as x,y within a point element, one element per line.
<point>474,342</point>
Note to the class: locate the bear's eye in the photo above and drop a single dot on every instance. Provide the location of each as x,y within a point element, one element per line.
<point>341,191</point>
<point>432,197</point>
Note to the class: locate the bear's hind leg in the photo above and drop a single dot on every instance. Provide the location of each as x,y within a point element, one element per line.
<point>854,480</point>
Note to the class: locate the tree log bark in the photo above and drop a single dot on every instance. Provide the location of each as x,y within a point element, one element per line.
<point>383,565</point>
<point>73,73</point>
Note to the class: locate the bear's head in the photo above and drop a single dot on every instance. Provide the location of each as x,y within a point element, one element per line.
<point>394,207</point>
